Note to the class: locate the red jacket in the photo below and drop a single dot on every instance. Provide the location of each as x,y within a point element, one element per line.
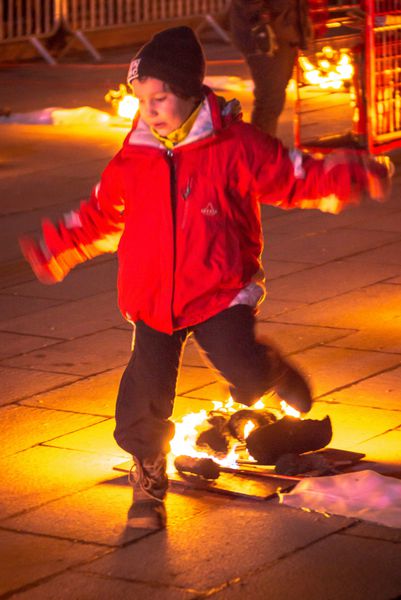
<point>186,222</point>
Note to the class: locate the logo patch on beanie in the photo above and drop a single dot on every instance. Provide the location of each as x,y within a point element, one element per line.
<point>133,71</point>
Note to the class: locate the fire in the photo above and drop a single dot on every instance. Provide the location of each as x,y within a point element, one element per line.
<point>124,104</point>
<point>289,411</point>
<point>333,68</point>
<point>191,425</point>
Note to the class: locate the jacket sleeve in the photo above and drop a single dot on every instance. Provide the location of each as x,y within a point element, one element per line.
<point>292,179</point>
<point>94,228</point>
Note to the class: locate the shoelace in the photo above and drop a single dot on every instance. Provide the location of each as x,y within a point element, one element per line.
<point>154,471</point>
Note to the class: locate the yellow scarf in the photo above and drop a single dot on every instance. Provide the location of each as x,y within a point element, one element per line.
<point>178,135</point>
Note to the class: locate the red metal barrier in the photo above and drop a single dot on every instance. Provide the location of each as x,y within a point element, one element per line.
<point>371,33</point>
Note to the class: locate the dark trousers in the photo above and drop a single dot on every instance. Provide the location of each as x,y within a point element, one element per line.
<point>270,75</point>
<point>147,390</point>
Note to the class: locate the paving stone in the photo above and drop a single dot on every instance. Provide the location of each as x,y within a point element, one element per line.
<point>332,368</point>
<point>218,392</point>
<point>367,308</point>
<point>384,451</point>
<point>64,145</point>
<point>97,438</point>
<point>383,338</point>
<point>94,395</point>
<point>42,474</point>
<point>193,355</point>
<point>26,559</point>
<point>12,306</point>
<point>303,222</point>
<point>23,426</point>
<point>389,254</point>
<point>87,586</point>
<point>326,281</point>
<point>293,338</point>
<point>278,268</point>
<point>71,319</point>
<point>98,515</point>
<point>381,391</point>
<point>83,356</point>
<point>387,222</point>
<point>21,383</point>
<point>328,245</point>
<point>83,281</point>
<point>193,555</point>
<point>191,378</point>
<point>273,308</point>
<point>395,280</point>
<point>12,344</point>
<point>372,531</point>
<point>336,568</point>
<point>354,426</point>
<point>185,405</point>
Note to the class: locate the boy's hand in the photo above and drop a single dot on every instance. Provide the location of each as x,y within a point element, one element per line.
<point>45,267</point>
<point>372,173</point>
<point>379,172</point>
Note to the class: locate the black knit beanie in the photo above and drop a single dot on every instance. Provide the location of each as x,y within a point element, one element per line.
<point>174,56</point>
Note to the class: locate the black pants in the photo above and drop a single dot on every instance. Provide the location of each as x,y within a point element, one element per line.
<point>270,75</point>
<point>147,390</point>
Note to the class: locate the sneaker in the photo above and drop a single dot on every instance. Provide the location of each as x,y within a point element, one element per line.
<point>292,387</point>
<point>149,481</point>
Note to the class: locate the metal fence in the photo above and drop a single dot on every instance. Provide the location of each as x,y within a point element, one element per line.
<point>368,118</point>
<point>88,15</point>
<point>383,73</point>
<point>21,19</point>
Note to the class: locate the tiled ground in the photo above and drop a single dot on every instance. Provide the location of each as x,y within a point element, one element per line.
<point>333,307</point>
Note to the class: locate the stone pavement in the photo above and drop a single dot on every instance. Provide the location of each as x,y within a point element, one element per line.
<point>333,306</point>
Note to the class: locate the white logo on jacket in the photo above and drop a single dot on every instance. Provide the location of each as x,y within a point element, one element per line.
<point>209,210</point>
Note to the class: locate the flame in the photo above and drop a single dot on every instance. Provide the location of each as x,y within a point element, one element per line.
<point>332,70</point>
<point>127,107</point>
<point>124,104</point>
<point>248,428</point>
<point>188,428</point>
<point>289,410</point>
<point>259,405</point>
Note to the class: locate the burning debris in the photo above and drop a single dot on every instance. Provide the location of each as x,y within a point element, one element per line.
<point>203,467</point>
<point>226,439</point>
<point>288,436</point>
<point>329,69</point>
<point>123,103</point>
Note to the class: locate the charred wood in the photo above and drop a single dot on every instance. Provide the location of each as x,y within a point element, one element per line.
<point>239,419</point>
<point>288,436</point>
<point>213,439</point>
<point>203,467</point>
<point>295,464</point>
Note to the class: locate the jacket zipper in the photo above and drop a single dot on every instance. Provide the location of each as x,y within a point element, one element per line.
<point>185,196</point>
<point>173,201</point>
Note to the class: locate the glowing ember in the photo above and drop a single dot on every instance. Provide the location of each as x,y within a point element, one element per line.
<point>124,104</point>
<point>333,68</point>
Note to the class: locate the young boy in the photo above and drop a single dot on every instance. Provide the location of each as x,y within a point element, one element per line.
<point>180,203</point>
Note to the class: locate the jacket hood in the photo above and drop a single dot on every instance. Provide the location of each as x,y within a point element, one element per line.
<point>215,114</point>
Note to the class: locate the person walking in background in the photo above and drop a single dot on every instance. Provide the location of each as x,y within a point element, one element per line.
<point>269,34</point>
